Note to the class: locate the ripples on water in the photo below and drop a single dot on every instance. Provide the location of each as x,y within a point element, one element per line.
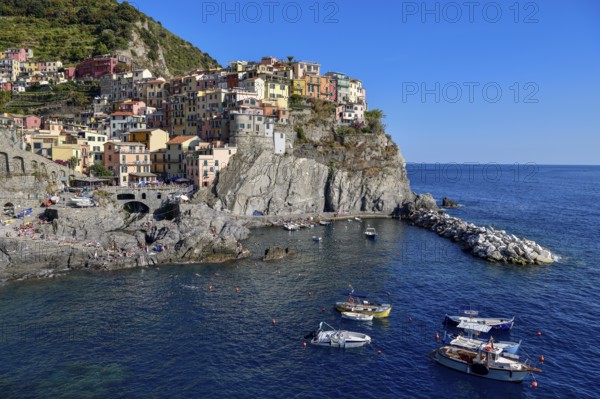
<point>162,333</point>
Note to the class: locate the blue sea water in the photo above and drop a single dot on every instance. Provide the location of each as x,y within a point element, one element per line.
<point>160,332</point>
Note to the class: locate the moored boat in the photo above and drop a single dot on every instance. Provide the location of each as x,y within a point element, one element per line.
<point>325,222</point>
<point>357,316</point>
<point>487,362</point>
<point>337,338</point>
<point>359,303</point>
<point>289,226</point>
<point>316,238</point>
<point>370,232</point>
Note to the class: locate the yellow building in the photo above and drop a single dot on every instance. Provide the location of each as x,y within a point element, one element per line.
<point>299,87</point>
<point>159,162</point>
<point>277,93</point>
<point>42,144</point>
<point>153,139</point>
<point>65,152</point>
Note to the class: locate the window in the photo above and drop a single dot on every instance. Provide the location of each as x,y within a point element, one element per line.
<point>216,162</point>
<point>37,145</point>
<point>205,163</point>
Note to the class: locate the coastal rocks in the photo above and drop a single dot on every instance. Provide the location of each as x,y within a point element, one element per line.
<point>105,238</point>
<point>448,203</point>
<point>276,253</point>
<point>486,243</point>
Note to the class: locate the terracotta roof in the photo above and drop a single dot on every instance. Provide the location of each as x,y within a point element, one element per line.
<point>181,139</point>
<point>121,114</point>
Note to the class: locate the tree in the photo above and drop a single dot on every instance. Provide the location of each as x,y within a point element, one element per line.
<point>73,162</point>
<point>99,170</point>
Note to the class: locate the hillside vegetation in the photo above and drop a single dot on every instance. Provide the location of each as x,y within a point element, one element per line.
<point>70,30</point>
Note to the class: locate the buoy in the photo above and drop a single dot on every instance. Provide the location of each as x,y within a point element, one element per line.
<point>437,335</point>
<point>542,358</point>
<point>534,384</point>
<point>304,344</point>
<point>237,289</point>
<point>539,333</point>
<point>379,351</point>
<point>210,287</point>
<point>323,309</point>
<point>273,322</point>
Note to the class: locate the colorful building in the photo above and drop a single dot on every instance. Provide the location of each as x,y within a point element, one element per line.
<point>176,149</point>
<point>129,162</point>
<point>204,164</point>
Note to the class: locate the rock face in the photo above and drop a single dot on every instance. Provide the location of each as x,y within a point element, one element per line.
<point>362,173</point>
<point>489,244</point>
<point>276,253</point>
<point>448,203</point>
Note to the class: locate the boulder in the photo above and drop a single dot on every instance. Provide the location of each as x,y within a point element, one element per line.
<point>448,203</point>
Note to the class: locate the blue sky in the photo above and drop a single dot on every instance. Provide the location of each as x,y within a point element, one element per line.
<point>463,81</point>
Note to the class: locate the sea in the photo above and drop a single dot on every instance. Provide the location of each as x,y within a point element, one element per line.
<point>236,330</point>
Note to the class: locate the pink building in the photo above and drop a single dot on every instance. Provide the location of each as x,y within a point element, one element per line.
<point>28,122</point>
<point>129,162</point>
<point>5,86</point>
<point>133,106</point>
<point>101,65</point>
<point>204,165</point>
<point>17,54</point>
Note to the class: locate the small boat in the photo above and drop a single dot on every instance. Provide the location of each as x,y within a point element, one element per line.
<point>472,343</point>
<point>496,323</point>
<point>337,338</point>
<point>317,239</point>
<point>325,222</point>
<point>357,219</point>
<point>357,316</point>
<point>370,232</point>
<point>486,361</point>
<point>289,226</point>
<point>81,202</point>
<point>358,303</point>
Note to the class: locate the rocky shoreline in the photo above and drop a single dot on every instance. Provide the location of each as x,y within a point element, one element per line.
<point>483,242</point>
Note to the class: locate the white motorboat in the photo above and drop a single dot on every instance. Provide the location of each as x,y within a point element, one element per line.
<point>496,323</point>
<point>487,362</point>
<point>370,232</point>
<point>357,316</point>
<point>317,239</point>
<point>325,222</point>
<point>357,219</point>
<point>337,338</point>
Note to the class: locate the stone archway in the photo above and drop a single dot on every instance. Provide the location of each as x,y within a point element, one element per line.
<point>136,207</point>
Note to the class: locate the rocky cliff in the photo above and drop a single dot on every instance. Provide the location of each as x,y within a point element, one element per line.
<point>325,172</point>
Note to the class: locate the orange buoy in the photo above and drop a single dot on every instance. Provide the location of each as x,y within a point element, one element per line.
<point>304,344</point>
<point>539,333</point>
<point>379,351</point>
<point>534,384</point>
<point>237,289</point>
<point>542,358</point>
<point>437,335</point>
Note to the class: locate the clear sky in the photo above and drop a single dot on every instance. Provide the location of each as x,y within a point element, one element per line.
<point>459,81</point>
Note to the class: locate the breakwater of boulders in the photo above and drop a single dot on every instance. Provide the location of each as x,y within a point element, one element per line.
<point>483,242</point>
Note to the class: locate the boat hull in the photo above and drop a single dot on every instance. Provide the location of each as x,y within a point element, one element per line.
<point>479,370</point>
<point>357,316</point>
<point>379,312</point>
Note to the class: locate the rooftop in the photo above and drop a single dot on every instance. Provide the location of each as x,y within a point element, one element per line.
<point>181,139</point>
